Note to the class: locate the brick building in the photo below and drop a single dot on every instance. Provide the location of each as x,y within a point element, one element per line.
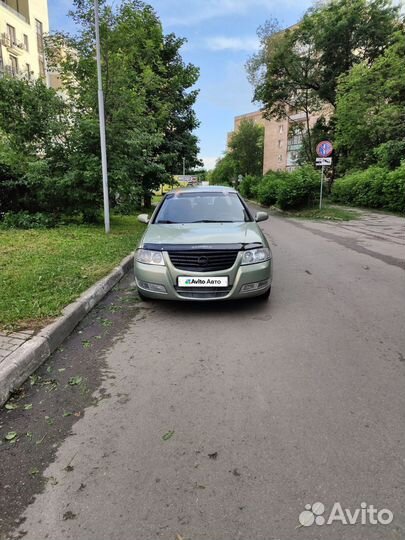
<point>282,138</point>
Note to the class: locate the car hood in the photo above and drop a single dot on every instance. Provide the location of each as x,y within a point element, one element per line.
<point>203,233</point>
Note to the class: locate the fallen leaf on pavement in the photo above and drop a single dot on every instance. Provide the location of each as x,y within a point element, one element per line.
<point>168,435</point>
<point>11,406</point>
<point>40,441</point>
<point>73,381</point>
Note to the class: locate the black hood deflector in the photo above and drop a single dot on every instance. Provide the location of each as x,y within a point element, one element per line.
<point>202,247</point>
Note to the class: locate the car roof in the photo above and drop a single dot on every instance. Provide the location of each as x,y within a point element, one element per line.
<point>204,189</point>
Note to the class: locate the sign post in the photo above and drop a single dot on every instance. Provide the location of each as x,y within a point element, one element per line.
<point>324,149</point>
<point>102,122</point>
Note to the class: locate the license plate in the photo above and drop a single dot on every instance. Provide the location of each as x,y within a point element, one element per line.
<point>205,281</point>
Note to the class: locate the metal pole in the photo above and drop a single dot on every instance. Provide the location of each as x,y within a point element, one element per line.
<point>320,197</point>
<point>184,166</point>
<point>102,122</point>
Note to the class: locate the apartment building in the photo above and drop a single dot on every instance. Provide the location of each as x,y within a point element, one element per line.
<point>282,138</point>
<point>23,24</point>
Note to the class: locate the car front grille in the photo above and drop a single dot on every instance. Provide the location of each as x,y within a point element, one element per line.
<point>203,261</point>
<point>203,292</point>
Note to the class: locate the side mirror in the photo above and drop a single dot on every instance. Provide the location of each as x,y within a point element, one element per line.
<point>143,218</point>
<point>261,216</point>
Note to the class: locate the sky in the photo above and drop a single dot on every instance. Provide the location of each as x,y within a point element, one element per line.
<point>221,36</point>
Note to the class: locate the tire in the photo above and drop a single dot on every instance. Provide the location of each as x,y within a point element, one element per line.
<point>265,296</point>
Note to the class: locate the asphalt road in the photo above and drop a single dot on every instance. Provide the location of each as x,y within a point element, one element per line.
<point>223,421</point>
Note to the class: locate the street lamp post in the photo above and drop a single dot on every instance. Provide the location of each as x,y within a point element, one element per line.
<point>102,122</point>
<point>184,166</point>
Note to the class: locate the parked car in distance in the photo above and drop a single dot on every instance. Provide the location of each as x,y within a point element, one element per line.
<point>203,243</point>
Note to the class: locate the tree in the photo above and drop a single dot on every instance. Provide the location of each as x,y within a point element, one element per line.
<point>298,70</point>
<point>148,105</point>
<point>371,110</point>
<point>345,33</point>
<point>224,171</point>
<point>32,116</point>
<point>34,122</point>
<point>246,148</point>
<point>283,74</point>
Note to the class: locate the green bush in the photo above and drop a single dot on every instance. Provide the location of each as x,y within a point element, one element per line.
<point>390,154</point>
<point>248,186</point>
<point>299,189</point>
<point>267,190</point>
<point>25,220</point>
<point>375,187</point>
<point>288,190</point>
<point>394,190</point>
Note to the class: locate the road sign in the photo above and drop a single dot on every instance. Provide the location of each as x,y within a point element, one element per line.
<point>240,178</point>
<point>324,149</point>
<point>323,161</point>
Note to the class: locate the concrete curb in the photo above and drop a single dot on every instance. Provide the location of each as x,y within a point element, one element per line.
<point>20,364</point>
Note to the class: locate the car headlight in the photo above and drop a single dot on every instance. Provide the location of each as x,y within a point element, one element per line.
<point>147,256</point>
<point>252,256</point>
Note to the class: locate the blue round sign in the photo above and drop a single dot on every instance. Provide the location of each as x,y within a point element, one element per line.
<point>324,149</point>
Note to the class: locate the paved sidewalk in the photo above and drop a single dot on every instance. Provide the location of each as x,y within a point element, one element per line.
<point>10,342</point>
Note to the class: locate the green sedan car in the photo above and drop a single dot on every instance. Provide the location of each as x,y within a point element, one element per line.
<point>203,244</point>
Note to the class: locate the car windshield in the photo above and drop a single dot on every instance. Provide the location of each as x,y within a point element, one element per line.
<point>206,207</point>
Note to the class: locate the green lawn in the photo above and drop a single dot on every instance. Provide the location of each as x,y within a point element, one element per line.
<point>331,213</point>
<point>43,270</point>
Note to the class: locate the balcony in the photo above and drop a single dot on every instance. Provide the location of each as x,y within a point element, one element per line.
<point>297,117</point>
<point>13,11</point>
<point>14,47</point>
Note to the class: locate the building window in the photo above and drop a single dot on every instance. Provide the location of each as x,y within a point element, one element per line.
<point>41,67</point>
<point>11,34</point>
<point>40,36</point>
<point>14,65</point>
<point>280,143</point>
<point>26,47</point>
<point>280,157</point>
<point>28,68</point>
<point>281,129</point>
<point>295,139</point>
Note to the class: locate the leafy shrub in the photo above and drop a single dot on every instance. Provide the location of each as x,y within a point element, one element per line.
<point>300,188</point>
<point>25,220</point>
<point>289,190</point>
<point>342,189</point>
<point>248,186</point>
<point>267,190</point>
<point>375,187</point>
<point>390,153</point>
<point>394,190</point>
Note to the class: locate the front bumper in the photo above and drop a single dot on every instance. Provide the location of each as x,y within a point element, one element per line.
<point>238,276</point>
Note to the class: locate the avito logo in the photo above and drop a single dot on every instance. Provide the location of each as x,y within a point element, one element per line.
<point>314,514</point>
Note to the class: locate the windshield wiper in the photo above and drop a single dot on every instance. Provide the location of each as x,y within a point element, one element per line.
<point>166,221</point>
